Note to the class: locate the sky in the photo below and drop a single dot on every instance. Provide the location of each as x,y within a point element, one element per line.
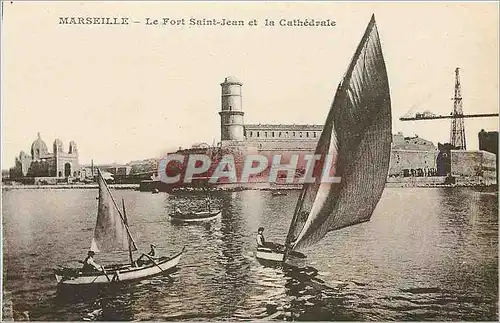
<point>132,92</point>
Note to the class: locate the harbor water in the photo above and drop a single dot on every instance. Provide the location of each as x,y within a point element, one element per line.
<point>426,254</point>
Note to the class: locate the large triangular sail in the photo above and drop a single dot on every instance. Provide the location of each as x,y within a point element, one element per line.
<point>357,134</point>
<point>111,231</point>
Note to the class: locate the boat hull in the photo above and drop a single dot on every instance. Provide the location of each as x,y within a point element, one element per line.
<point>125,273</point>
<point>195,217</point>
<point>273,257</point>
<point>267,254</point>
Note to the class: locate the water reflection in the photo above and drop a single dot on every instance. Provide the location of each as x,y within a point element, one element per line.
<point>427,254</point>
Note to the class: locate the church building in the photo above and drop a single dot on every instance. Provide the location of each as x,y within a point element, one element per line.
<point>42,163</point>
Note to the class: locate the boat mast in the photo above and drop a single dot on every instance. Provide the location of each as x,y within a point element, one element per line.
<point>339,97</point>
<point>92,170</point>
<point>209,201</point>
<point>296,212</point>
<point>303,192</point>
<point>128,237</point>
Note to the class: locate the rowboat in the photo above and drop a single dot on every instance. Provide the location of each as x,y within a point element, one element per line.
<point>195,216</point>
<point>355,143</point>
<point>112,233</point>
<point>118,273</point>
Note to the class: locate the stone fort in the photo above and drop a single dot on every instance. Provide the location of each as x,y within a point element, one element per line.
<point>410,156</point>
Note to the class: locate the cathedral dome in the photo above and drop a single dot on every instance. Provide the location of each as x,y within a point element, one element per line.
<point>38,148</point>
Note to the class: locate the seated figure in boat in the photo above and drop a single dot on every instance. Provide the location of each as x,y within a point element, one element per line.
<point>152,251</point>
<point>207,200</point>
<point>152,254</point>
<point>261,241</point>
<point>89,265</point>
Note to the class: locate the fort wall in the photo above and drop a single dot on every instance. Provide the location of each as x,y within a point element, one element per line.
<point>477,167</point>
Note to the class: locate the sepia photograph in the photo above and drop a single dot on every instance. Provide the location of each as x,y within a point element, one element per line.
<point>249,161</point>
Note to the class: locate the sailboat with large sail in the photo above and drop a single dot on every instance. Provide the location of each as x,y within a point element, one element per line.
<point>112,233</point>
<point>357,132</point>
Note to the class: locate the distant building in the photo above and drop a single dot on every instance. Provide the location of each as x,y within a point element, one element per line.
<point>5,174</point>
<point>443,159</point>
<point>119,170</point>
<point>41,163</point>
<point>466,166</point>
<point>488,141</point>
<point>260,137</point>
<point>89,173</point>
<point>410,156</point>
<point>473,167</point>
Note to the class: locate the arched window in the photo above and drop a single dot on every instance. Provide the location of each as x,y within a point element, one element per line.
<point>272,134</point>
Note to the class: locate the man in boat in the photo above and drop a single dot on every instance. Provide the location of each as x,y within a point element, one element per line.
<point>143,259</point>
<point>207,200</point>
<point>89,265</point>
<point>152,251</point>
<point>261,241</point>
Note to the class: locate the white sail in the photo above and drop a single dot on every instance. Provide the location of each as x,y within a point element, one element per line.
<point>111,231</point>
<point>357,132</point>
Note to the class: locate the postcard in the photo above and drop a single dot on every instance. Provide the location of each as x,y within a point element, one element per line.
<point>224,161</point>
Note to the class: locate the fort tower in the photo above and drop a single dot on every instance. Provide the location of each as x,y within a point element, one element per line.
<point>231,114</point>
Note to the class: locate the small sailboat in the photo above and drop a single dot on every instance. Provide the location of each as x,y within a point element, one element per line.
<point>357,132</point>
<point>112,233</point>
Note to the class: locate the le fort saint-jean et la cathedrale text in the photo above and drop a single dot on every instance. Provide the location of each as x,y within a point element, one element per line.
<point>193,22</point>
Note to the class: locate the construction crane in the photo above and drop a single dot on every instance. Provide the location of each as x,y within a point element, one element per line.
<point>457,131</point>
<point>424,116</point>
